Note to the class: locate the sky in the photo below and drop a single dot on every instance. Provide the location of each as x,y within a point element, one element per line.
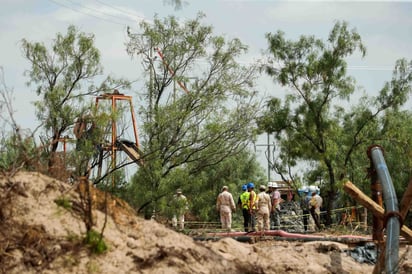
<point>385,28</point>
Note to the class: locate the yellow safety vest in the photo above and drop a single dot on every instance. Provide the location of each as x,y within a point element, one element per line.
<point>252,203</point>
<point>244,198</point>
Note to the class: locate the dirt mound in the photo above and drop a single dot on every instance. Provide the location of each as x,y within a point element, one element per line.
<point>42,230</point>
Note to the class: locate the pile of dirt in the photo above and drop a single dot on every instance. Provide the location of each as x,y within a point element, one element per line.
<point>42,231</point>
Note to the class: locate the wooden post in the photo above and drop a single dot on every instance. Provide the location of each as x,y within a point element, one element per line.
<point>406,201</point>
<point>376,209</point>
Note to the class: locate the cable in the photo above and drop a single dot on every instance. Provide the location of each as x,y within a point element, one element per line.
<point>128,14</point>
<point>121,10</point>
<point>85,13</point>
<point>99,11</point>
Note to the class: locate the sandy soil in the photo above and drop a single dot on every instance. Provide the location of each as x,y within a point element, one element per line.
<point>39,236</point>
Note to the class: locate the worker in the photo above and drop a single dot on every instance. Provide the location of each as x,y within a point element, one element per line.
<point>263,208</point>
<point>225,205</point>
<point>180,206</point>
<point>275,211</point>
<point>244,204</point>
<point>269,188</point>
<point>305,207</point>
<point>270,192</point>
<point>315,204</point>
<point>252,205</point>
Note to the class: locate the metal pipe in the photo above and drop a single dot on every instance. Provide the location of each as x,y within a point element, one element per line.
<point>392,209</point>
<point>376,195</point>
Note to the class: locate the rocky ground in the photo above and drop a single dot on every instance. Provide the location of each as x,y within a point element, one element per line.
<point>42,231</point>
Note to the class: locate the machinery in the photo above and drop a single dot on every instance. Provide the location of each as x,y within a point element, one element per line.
<point>131,148</point>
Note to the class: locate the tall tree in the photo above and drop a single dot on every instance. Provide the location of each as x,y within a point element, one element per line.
<point>63,76</point>
<point>199,106</point>
<point>395,137</point>
<point>313,125</point>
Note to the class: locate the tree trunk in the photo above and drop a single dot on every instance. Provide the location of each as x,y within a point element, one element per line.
<point>51,165</point>
<point>331,194</point>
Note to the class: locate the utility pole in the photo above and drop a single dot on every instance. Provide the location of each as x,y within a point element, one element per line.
<point>151,76</point>
<point>267,145</point>
<point>268,156</point>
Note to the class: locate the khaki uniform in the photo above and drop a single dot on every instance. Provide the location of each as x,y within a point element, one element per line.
<point>225,204</point>
<point>315,204</point>
<point>263,211</point>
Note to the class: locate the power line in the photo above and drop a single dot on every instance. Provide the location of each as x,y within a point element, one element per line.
<point>86,13</point>
<point>99,11</point>
<point>121,10</point>
<point>127,18</point>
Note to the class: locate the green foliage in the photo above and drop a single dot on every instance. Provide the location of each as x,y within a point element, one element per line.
<point>311,124</point>
<point>63,202</point>
<point>190,130</point>
<point>397,146</point>
<point>95,242</point>
<point>63,75</point>
<point>58,74</point>
<point>232,172</point>
<point>17,150</point>
<point>200,189</point>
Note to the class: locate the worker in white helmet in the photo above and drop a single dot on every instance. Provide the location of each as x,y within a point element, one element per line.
<point>275,211</point>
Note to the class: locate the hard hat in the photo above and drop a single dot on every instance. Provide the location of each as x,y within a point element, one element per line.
<point>262,188</point>
<point>244,187</point>
<point>270,184</point>
<point>179,191</point>
<point>250,185</point>
<point>274,185</point>
<point>225,188</point>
